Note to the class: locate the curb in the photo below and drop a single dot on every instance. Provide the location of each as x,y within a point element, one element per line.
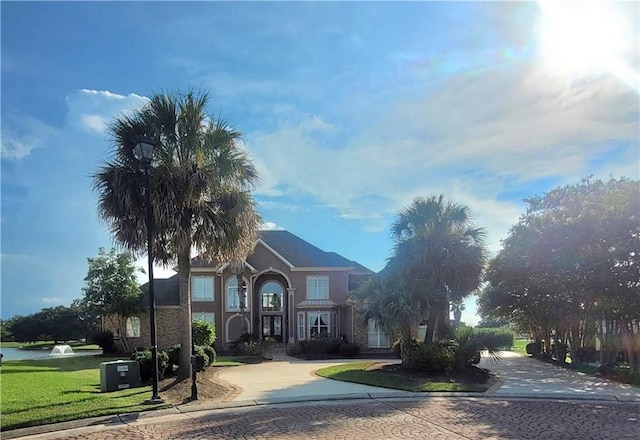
<point>105,422</point>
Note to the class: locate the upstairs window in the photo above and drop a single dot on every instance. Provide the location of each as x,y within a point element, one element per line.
<point>271,295</point>
<point>233,300</point>
<point>317,287</point>
<point>202,288</point>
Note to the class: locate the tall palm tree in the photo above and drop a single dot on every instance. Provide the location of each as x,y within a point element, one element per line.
<point>388,300</point>
<point>200,190</point>
<point>442,252</point>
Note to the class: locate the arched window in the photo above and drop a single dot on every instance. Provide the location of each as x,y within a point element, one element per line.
<point>133,327</point>
<point>233,300</point>
<point>271,296</point>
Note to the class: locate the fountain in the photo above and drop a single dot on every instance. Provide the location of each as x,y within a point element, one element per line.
<point>61,350</point>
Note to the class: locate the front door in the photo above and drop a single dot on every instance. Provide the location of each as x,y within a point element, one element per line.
<point>272,327</point>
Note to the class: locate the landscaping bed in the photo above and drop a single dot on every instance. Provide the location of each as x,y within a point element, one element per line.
<point>380,374</point>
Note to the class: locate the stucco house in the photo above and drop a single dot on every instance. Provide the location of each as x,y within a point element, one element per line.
<point>293,291</point>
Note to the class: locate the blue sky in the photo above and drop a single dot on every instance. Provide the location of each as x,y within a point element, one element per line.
<point>349,110</point>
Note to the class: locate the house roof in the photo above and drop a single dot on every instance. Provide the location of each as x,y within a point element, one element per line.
<point>165,290</point>
<point>296,251</point>
<point>301,253</point>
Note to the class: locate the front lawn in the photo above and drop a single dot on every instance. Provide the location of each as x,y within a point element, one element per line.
<point>38,392</point>
<point>391,376</point>
<point>43,391</point>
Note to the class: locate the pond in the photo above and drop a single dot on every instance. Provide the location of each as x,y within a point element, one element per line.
<point>15,354</point>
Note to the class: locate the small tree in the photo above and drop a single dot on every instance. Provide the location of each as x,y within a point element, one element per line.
<point>111,290</point>
<point>203,333</point>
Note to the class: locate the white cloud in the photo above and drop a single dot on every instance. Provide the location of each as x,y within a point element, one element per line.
<point>52,300</point>
<point>270,226</point>
<point>21,134</point>
<point>93,109</point>
<point>470,137</point>
<point>95,122</point>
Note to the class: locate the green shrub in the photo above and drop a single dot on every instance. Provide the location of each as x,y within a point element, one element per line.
<point>349,350</point>
<point>430,357</point>
<point>533,348</point>
<point>174,357</point>
<point>203,333</point>
<point>200,351</point>
<point>211,353</point>
<point>144,359</point>
<point>333,347</point>
<point>501,338</point>
<point>104,340</point>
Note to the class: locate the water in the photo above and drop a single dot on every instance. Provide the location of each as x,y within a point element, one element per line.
<point>14,354</point>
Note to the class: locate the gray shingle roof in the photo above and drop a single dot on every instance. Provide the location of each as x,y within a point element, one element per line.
<point>301,253</point>
<point>165,290</point>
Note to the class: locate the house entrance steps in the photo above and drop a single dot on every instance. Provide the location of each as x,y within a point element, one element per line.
<point>279,352</point>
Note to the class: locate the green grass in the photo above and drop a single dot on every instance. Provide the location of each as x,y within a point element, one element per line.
<point>363,373</point>
<point>519,345</point>
<point>38,392</point>
<point>228,361</point>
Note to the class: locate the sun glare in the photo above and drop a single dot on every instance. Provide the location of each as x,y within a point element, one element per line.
<point>583,38</point>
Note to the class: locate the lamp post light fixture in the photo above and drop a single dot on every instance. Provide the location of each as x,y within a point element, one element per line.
<point>242,293</point>
<point>143,152</point>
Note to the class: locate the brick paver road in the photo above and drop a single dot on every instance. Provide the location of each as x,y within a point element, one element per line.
<point>435,418</point>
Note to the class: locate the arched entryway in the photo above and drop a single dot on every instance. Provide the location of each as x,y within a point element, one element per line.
<point>271,304</point>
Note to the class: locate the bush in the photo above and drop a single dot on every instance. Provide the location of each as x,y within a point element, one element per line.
<point>146,369</point>
<point>349,350</point>
<point>333,347</point>
<point>104,340</point>
<point>211,353</point>
<point>586,355</point>
<point>250,345</point>
<point>430,357</point>
<point>534,348</point>
<point>495,337</point>
<point>199,349</point>
<point>174,357</point>
<point>203,333</point>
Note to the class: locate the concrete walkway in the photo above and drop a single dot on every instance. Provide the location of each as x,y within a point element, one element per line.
<point>522,376</point>
<point>290,378</point>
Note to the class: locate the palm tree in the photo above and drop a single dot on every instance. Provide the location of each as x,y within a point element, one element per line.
<point>441,250</point>
<point>387,300</point>
<point>200,190</point>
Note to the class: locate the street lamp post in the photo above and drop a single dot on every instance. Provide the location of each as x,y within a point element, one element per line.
<point>143,152</point>
<point>242,293</point>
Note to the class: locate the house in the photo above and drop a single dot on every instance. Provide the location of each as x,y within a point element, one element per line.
<point>292,291</point>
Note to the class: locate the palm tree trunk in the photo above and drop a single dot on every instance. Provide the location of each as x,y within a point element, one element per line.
<point>184,271</point>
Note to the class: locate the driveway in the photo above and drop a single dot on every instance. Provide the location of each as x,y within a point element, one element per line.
<point>522,376</point>
<point>282,380</point>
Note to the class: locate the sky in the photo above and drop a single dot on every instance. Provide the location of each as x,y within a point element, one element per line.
<point>349,111</point>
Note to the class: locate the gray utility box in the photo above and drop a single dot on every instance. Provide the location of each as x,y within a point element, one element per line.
<point>119,375</point>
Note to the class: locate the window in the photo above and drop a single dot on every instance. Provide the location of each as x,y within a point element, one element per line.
<point>378,338</point>
<point>422,330</point>
<point>271,297</point>
<point>204,316</point>
<point>133,327</point>
<point>318,324</point>
<point>202,288</point>
<point>317,287</point>
<point>233,300</point>
<point>300,326</point>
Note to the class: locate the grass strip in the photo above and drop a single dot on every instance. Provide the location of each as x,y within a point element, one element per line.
<point>366,373</point>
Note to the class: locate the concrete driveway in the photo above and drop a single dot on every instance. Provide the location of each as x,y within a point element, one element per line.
<point>281,380</point>
<point>522,376</point>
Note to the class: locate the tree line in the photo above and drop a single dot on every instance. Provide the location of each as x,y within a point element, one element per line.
<point>569,272</point>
